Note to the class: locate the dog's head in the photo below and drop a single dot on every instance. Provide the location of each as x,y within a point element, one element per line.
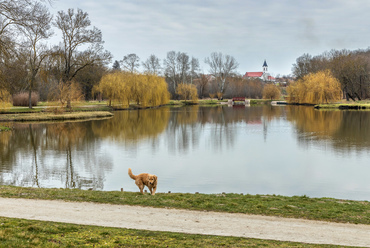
<point>152,179</point>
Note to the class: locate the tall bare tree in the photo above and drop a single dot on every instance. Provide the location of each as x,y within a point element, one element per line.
<point>152,65</point>
<point>130,62</point>
<point>76,33</point>
<point>178,68</point>
<point>183,66</point>
<point>194,68</point>
<point>221,67</point>
<point>35,29</point>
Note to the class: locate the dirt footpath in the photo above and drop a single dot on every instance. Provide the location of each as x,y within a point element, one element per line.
<point>183,221</point>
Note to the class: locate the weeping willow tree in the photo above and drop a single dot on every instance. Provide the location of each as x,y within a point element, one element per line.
<point>113,87</point>
<point>315,88</point>
<point>187,92</point>
<point>124,87</point>
<point>5,99</point>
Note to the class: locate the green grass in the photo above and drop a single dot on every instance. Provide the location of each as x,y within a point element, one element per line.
<point>259,101</point>
<point>21,110</point>
<point>49,116</point>
<point>4,128</point>
<point>29,233</point>
<point>343,106</point>
<point>326,209</point>
<point>346,105</point>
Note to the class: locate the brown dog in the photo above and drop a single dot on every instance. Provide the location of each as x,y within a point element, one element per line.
<point>144,179</point>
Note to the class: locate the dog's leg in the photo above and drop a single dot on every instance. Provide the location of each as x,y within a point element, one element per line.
<point>141,187</point>
<point>154,189</point>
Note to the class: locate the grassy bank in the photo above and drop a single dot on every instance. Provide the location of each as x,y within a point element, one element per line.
<point>343,106</point>
<point>28,233</point>
<point>4,128</point>
<point>49,116</point>
<point>325,209</point>
<point>358,105</point>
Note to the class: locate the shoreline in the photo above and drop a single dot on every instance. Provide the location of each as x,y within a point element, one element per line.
<point>188,222</point>
<point>47,116</point>
<point>303,207</point>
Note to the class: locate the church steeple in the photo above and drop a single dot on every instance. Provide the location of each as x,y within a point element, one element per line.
<point>265,67</point>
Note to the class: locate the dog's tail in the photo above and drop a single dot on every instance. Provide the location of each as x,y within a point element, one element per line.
<point>130,174</point>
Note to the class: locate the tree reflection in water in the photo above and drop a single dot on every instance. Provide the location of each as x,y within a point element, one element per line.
<point>74,154</point>
<point>344,130</point>
<point>45,145</point>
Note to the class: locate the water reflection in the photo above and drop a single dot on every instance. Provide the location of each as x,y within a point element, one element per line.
<point>43,155</point>
<point>344,130</point>
<point>132,126</point>
<point>266,149</point>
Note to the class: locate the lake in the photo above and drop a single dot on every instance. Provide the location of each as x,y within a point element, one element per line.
<point>282,150</point>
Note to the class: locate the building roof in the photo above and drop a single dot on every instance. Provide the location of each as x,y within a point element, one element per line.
<point>253,74</point>
<point>264,64</point>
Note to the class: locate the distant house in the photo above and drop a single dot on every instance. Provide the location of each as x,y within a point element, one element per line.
<point>263,75</point>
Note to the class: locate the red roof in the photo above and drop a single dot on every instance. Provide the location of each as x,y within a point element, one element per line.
<point>253,74</point>
<point>270,78</point>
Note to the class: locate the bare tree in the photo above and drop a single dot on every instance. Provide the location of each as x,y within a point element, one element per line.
<point>130,62</point>
<point>14,13</point>
<point>302,66</point>
<point>183,65</point>
<point>177,68</point>
<point>221,67</point>
<point>194,68</point>
<point>76,33</point>
<point>152,65</point>
<point>170,69</point>
<point>35,29</point>
<point>201,83</point>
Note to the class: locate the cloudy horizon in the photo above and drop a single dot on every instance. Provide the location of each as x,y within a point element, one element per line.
<point>250,31</point>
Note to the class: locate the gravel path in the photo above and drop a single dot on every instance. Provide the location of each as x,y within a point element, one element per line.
<point>184,221</point>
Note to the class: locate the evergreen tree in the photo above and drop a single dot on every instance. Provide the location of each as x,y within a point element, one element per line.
<point>116,66</point>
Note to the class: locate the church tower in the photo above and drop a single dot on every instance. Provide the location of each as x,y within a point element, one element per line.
<point>265,67</point>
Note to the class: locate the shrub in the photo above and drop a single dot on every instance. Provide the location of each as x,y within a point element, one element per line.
<point>64,92</point>
<point>219,95</point>
<point>187,92</point>
<point>271,91</point>
<point>22,99</point>
<point>5,99</point>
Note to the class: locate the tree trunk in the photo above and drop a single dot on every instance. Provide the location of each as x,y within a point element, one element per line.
<point>349,96</point>
<point>359,98</point>
<point>69,106</point>
<point>30,98</point>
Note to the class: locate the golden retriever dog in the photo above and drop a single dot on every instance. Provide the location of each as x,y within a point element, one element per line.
<point>145,179</point>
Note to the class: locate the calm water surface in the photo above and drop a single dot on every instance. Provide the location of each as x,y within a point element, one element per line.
<point>285,150</point>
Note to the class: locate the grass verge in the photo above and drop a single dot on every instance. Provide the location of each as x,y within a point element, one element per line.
<point>3,128</point>
<point>29,233</point>
<point>343,106</point>
<point>44,116</point>
<point>356,105</point>
<point>326,209</point>
<point>260,101</point>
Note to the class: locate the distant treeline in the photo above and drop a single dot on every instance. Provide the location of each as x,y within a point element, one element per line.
<point>350,68</point>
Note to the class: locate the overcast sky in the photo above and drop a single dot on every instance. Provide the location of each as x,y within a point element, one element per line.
<point>276,30</point>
